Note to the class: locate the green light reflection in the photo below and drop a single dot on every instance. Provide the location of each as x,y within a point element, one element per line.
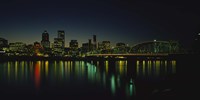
<point>91,72</point>
<point>113,84</point>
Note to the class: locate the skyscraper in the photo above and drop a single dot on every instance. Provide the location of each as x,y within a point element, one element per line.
<point>61,35</point>
<point>94,42</point>
<point>57,48</point>
<point>59,43</point>
<point>45,40</point>
<point>90,44</point>
<point>73,44</point>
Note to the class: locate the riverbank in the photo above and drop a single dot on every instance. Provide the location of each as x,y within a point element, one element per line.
<point>182,57</point>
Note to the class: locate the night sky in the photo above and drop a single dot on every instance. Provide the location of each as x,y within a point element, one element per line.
<point>128,21</point>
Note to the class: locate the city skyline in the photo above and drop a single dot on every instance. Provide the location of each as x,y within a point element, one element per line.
<point>67,42</point>
<point>114,20</point>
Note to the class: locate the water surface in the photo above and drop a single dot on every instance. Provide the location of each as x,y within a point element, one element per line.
<point>72,80</point>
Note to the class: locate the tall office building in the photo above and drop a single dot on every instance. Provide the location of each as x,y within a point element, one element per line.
<point>94,42</point>
<point>61,35</point>
<point>59,43</point>
<point>45,40</point>
<point>57,47</point>
<point>90,44</point>
<point>85,47</point>
<point>73,44</point>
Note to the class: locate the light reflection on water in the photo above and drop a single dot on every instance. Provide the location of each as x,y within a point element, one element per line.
<point>155,68</point>
<point>117,77</point>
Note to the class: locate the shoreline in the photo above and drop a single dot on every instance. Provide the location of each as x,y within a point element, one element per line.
<point>55,58</point>
<point>91,58</point>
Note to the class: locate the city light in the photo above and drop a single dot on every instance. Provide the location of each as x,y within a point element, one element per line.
<point>99,49</point>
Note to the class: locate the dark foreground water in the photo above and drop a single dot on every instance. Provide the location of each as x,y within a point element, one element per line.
<point>97,80</point>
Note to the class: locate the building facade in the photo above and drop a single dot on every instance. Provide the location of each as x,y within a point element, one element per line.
<point>61,35</point>
<point>45,40</point>
<point>38,49</point>
<point>58,49</point>
<point>17,47</point>
<point>94,42</point>
<point>73,44</point>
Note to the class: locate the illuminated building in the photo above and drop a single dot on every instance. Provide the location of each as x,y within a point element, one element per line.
<point>58,47</point>
<point>100,46</point>
<point>59,44</point>
<point>90,46</point>
<point>73,48</point>
<point>61,35</point>
<point>106,45</point>
<point>45,40</point>
<point>73,44</point>
<point>38,49</point>
<point>30,49</point>
<point>86,47</point>
<point>120,48</point>
<point>17,47</point>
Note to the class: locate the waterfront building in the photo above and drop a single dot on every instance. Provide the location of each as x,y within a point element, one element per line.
<point>3,43</point>
<point>106,45</point>
<point>58,49</point>
<point>94,42</point>
<point>38,49</point>
<point>85,47</point>
<point>61,35</point>
<point>59,44</point>
<point>73,44</point>
<point>120,48</point>
<point>17,47</point>
<point>90,45</point>
<point>73,48</point>
<point>45,40</point>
